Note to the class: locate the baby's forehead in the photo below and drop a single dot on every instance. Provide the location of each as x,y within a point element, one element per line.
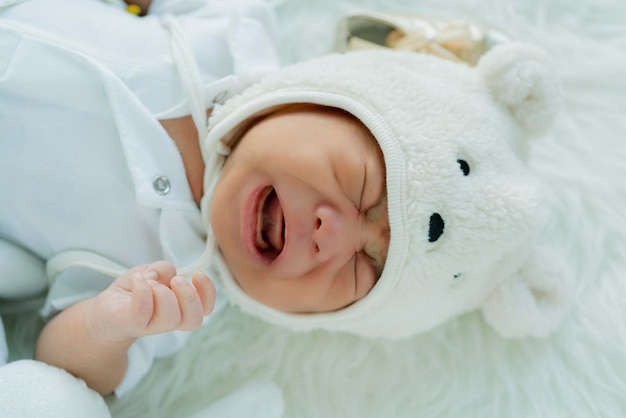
<point>351,123</point>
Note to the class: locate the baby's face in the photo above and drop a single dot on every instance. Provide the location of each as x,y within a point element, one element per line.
<point>300,210</point>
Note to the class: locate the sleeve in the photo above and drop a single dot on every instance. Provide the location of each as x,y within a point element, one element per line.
<point>72,286</point>
<point>233,43</point>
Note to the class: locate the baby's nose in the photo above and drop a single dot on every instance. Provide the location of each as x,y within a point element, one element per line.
<point>334,233</point>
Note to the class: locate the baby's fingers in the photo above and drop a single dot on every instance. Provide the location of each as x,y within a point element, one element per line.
<point>142,302</point>
<point>189,304</point>
<point>167,314</point>
<point>205,289</point>
<point>160,271</point>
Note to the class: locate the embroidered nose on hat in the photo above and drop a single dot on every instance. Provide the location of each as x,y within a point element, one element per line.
<point>437,225</point>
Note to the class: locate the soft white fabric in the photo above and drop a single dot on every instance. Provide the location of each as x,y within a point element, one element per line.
<point>52,174</point>
<point>4,349</point>
<point>27,272</point>
<point>84,108</point>
<point>430,115</point>
<point>31,389</point>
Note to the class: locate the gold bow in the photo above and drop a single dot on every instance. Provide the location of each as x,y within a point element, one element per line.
<point>454,40</point>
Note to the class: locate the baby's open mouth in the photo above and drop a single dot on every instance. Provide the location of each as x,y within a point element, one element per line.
<point>270,225</point>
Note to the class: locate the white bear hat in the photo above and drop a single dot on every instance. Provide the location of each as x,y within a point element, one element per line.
<point>463,210</point>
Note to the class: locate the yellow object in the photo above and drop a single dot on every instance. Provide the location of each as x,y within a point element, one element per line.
<point>134,9</point>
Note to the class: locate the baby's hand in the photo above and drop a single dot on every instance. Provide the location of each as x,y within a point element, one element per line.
<point>149,299</point>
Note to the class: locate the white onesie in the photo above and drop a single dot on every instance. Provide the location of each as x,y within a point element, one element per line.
<point>84,163</point>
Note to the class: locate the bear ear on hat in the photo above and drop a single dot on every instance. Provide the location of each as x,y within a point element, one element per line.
<point>535,300</point>
<point>522,77</point>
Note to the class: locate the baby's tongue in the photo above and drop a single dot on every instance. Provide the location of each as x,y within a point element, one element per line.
<point>273,222</point>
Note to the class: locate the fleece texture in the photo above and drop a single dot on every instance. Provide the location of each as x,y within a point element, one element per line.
<point>463,210</point>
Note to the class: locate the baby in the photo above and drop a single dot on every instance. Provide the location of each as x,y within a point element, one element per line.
<point>299,215</point>
<point>298,211</point>
<point>305,198</point>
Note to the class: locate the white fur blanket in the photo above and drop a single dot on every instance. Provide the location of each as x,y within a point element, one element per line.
<point>461,369</point>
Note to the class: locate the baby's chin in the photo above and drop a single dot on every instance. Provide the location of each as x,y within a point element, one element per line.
<point>293,302</point>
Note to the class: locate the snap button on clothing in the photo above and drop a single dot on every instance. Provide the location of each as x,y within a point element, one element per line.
<point>220,98</point>
<point>161,185</point>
